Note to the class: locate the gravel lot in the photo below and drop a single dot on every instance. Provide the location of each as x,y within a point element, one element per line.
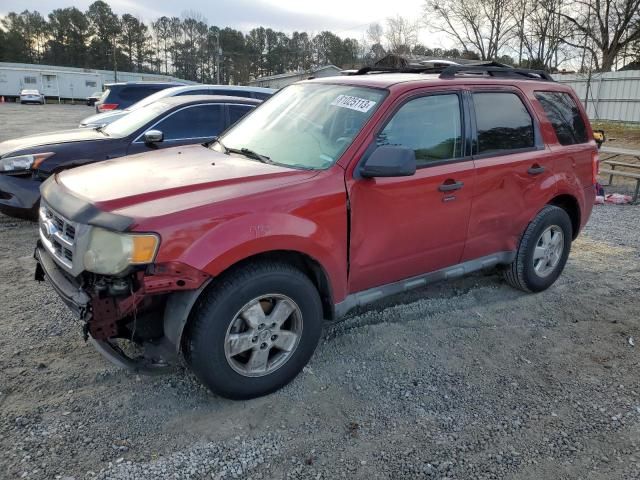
<point>467,379</point>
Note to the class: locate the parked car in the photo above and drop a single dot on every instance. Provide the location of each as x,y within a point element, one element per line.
<point>105,118</point>
<point>93,98</point>
<point>335,193</point>
<point>26,162</point>
<point>118,96</point>
<point>31,96</point>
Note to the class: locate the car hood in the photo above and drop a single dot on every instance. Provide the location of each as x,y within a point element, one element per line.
<point>104,118</point>
<point>51,138</point>
<point>172,180</point>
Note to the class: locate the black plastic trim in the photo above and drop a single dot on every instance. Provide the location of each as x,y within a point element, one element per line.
<point>374,294</point>
<point>79,210</point>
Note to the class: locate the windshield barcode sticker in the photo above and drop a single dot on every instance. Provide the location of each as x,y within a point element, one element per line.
<point>354,103</point>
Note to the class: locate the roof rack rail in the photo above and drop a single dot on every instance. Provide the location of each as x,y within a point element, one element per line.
<point>408,69</point>
<point>494,71</point>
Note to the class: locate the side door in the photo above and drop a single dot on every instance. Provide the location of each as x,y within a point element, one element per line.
<point>514,170</point>
<point>406,226</point>
<point>187,125</point>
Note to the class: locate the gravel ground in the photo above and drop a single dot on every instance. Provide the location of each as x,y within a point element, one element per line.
<point>466,379</point>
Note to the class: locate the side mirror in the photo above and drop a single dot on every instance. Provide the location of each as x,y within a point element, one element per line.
<point>153,136</point>
<point>390,161</point>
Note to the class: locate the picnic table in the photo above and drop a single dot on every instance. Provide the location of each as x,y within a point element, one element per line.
<point>615,152</point>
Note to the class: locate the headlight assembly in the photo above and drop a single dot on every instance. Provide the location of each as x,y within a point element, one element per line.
<point>110,253</point>
<point>23,162</point>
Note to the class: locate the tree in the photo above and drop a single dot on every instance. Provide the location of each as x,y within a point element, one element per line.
<point>375,33</point>
<point>105,27</point>
<point>68,35</point>
<point>133,39</point>
<point>401,35</point>
<point>162,33</point>
<point>482,25</point>
<point>540,31</point>
<point>602,27</point>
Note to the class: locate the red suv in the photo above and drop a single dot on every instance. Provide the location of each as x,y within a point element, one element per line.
<point>334,193</point>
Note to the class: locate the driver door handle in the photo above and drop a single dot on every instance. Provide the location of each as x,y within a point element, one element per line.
<point>449,186</point>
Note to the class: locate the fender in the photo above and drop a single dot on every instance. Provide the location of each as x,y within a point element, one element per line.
<point>236,239</point>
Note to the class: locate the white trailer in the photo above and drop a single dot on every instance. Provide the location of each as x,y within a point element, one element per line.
<point>63,83</point>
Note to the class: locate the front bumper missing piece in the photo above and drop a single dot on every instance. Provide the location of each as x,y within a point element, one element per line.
<point>157,358</point>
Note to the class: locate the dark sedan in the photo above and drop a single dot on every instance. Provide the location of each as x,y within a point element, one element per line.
<point>26,162</point>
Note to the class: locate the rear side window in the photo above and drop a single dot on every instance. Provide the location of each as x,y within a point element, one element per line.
<point>564,115</point>
<point>133,94</point>
<point>503,122</point>
<point>431,126</point>
<point>199,121</point>
<point>236,112</point>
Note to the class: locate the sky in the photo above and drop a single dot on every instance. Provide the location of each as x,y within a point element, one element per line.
<point>343,17</point>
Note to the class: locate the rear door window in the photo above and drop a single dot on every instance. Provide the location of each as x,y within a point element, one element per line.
<point>431,126</point>
<point>236,112</point>
<point>564,115</point>
<point>503,122</point>
<point>198,121</point>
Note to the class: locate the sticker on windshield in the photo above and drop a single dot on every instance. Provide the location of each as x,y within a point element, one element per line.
<point>354,103</point>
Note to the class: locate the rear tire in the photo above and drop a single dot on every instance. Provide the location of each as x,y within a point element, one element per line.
<point>543,251</point>
<point>253,330</point>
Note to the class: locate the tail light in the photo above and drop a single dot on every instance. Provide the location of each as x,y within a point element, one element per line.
<point>107,106</point>
<point>595,167</point>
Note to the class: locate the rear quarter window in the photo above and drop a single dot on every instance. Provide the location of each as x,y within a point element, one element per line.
<point>565,117</point>
<point>503,122</point>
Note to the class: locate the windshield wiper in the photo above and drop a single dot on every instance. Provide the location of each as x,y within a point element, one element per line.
<point>100,129</point>
<point>219,142</point>
<point>250,154</point>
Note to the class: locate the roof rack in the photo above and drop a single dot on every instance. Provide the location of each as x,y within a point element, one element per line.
<point>492,69</point>
<point>410,69</point>
<point>495,71</point>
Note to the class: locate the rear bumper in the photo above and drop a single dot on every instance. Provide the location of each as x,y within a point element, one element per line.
<point>19,196</point>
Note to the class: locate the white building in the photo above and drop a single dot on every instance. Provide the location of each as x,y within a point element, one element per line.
<point>284,79</point>
<point>64,82</point>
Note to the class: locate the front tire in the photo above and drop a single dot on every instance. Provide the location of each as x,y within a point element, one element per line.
<point>253,330</point>
<point>543,251</point>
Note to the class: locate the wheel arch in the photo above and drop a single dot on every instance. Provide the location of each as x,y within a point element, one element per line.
<point>569,204</point>
<point>180,305</point>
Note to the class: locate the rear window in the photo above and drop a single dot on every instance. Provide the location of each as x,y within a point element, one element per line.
<point>503,122</point>
<point>564,115</point>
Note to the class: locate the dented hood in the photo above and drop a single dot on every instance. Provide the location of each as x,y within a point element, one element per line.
<point>174,179</point>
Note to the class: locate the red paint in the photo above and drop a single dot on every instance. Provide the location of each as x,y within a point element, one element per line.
<point>213,211</point>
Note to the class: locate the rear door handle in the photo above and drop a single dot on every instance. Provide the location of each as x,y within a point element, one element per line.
<point>450,187</point>
<point>535,170</point>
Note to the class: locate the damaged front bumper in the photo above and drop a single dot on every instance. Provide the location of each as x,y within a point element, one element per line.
<point>131,315</point>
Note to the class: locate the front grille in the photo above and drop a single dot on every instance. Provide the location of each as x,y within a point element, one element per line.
<point>60,237</point>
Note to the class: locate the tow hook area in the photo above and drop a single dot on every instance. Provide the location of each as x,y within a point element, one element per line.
<point>158,358</point>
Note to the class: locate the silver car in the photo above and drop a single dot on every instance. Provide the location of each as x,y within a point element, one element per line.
<point>31,96</point>
<point>105,118</point>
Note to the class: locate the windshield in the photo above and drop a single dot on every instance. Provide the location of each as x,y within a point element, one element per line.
<point>134,120</point>
<point>307,125</point>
